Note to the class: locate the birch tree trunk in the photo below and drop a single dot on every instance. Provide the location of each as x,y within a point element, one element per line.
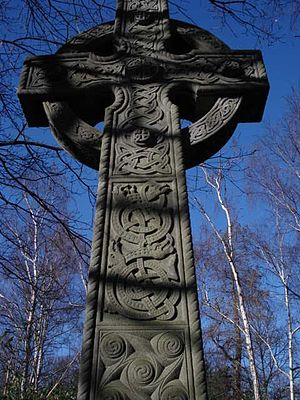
<point>274,176</point>
<point>30,262</point>
<point>290,344</point>
<point>228,248</point>
<point>238,349</point>
<point>39,303</point>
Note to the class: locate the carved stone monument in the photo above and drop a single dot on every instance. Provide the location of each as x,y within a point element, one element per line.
<point>141,74</point>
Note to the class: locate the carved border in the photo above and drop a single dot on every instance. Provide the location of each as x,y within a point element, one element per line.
<point>95,263</point>
<point>198,366</point>
<point>217,117</point>
<point>78,138</point>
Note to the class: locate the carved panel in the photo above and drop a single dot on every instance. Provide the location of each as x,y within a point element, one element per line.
<point>142,71</point>
<point>224,69</point>
<point>147,365</point>
<point>144,5</point>
<point>142,152</point>
<point>77,137</point>
<point>142,145</point>
<point>142,277</point>
<point>144,109</point>
<point>220,114</point>
<point>144,26</point>
<point>64,72</point>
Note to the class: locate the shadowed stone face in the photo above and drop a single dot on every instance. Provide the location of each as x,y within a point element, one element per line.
<point>141,75</point>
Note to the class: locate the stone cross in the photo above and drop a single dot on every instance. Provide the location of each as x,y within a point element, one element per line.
<point>141,75</point>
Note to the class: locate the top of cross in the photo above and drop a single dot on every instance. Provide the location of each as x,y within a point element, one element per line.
<point>144,22</point>
<point>143,45</point>
<point>143,27</point>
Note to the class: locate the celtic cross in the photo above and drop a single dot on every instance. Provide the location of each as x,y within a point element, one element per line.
<point>141,74</point>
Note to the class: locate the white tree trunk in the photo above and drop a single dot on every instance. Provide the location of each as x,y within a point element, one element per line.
<point>31,266</point>
<point>290,344</point>
<point>228,248</point>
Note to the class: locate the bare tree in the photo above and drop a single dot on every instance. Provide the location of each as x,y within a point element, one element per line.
<point>269,250</point>
<point>240,321</point>
<point>282,261</point>
<point>265,19</point>
<point>275,180</point>
<point>30,28</point>
<point>41,297</point>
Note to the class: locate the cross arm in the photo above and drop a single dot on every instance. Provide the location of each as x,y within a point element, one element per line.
<point>236,73</point>
<point>235,80</point>
<point>62,77</point>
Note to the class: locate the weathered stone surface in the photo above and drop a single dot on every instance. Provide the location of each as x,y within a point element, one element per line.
<point>141,75</point>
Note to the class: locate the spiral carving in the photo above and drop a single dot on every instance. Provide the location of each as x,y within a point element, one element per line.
<point>113,394</point>
<point>141,371</point>
<point>174,393</point>
<point>112,346</point>
<point>170,345</point>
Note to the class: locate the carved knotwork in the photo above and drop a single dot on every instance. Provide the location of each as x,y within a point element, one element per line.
<point>73,134</point>
<point>142,272</point>
<point>214,70</point>
<point>142,152</point>
<point>220,114</point>
<point>151,14</point>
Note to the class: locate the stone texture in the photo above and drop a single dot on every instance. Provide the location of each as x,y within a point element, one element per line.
<point>143,73</point>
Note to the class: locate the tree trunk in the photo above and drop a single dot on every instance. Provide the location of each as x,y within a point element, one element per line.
<point>290,343</point>
<point>238,352</point>
<point>228,248</point>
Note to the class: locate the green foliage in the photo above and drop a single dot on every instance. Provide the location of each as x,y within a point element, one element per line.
<point>61,393</point>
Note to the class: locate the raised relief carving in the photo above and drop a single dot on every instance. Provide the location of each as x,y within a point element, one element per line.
<point>219,115</point>
<point>47,75</point>
<point>76,136</point>
<point>143,5</point>
<point>207,70</point>
<point>138,15</point>
<point>143,18</point>
<point>140,70</point>
<point>142,277</point>
<point>138,46</point>
<point>142,152</point>
<point>144,109</point>
<point>256,70</point>
<point>142,144</point>
<point>143,366</point>
<point>70,74</point>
